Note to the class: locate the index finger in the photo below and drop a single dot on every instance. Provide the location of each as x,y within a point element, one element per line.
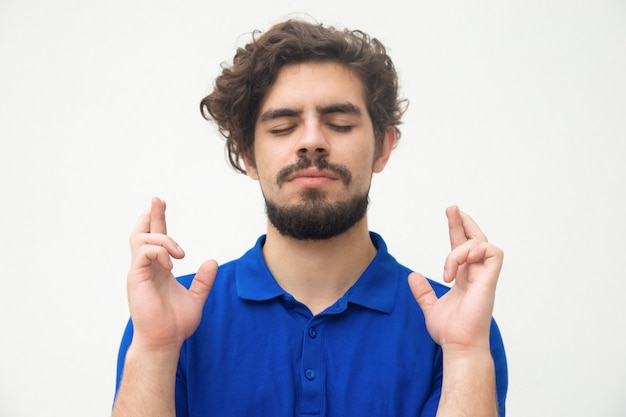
<point>472,231</point>
<point>157,216</point>
<point>462,227</point>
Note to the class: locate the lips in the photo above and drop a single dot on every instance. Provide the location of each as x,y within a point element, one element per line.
<point>312,178</point>
<point>312,173</point>
<point>314,170</point>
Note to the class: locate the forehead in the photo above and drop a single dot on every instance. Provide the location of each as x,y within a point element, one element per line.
<point>314,84</point>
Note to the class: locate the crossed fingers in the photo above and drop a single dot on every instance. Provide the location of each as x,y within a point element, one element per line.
<point>468,243</point>
<point>149,240</point>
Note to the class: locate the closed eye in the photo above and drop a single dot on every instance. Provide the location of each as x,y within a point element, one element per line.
<point>282,129</point>
<point>340,128</point>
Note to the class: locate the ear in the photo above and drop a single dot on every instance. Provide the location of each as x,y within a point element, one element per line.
<point>250,166</point>
<point>384,152</point>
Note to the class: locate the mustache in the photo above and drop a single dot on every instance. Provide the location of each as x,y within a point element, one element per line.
<point>320,163</point>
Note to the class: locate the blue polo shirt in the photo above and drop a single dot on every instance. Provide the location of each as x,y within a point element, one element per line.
<point>259,352</point>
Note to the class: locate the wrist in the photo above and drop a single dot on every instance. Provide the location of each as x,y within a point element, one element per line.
<point>468,358</point>
<point>148,348</point>
<point>160,359</point>
<point>468,361</point>
<point>455,350</point>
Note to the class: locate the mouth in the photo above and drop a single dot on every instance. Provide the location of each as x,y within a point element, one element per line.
<point>314,173</point>
<point>312,178</point>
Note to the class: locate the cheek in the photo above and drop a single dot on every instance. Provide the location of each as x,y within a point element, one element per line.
<point>266,175</point>
<point>362,162</point>
<point>362,172</point>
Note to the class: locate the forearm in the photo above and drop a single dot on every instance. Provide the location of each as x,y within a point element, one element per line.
<point>148,384</point>
<point>469,386</point>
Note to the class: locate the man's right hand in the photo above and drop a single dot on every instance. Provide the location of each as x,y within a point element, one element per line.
<point>164,313</point>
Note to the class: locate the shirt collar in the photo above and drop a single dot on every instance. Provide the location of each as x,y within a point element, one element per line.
<point>375,289</point>
<point>254,280</point>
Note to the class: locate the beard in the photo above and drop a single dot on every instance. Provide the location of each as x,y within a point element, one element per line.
<point>315,218</point>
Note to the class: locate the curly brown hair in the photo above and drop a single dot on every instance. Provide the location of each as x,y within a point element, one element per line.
<point>239,90</point>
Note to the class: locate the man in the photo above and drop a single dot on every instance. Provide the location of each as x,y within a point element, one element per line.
<point>317,318</point>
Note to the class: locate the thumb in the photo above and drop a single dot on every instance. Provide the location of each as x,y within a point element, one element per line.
<point>203,281</point>
<point>422,291</point>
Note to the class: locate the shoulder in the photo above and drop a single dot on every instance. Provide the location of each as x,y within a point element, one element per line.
<point>250,259</point>
<point>390,265</point>
<point>224,272</point>
<point>439,287</point>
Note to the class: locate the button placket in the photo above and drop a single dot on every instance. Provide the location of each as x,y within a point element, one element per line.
<point>312,369</point>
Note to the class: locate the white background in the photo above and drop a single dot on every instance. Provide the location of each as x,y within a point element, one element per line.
<point>517,114</point>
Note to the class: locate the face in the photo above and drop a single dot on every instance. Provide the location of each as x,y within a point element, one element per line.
<point>315,151</point>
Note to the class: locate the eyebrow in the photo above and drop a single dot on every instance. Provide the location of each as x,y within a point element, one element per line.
<point>278,113</point>
<point>346,108</point>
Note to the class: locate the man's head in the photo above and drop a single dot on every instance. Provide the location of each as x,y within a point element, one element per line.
<point>240,89</point>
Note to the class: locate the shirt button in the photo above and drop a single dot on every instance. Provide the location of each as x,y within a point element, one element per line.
<point>309,374</point>
<point>312,332</point>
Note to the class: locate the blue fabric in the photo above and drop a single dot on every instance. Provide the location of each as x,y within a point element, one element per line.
<point>259,352</point>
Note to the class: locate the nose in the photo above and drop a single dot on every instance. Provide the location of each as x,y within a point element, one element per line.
<point>313,143</point>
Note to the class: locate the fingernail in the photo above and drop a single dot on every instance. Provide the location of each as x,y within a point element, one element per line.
<point>445,275</point>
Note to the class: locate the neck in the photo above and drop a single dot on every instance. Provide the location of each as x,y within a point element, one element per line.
<point>318,273</point>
